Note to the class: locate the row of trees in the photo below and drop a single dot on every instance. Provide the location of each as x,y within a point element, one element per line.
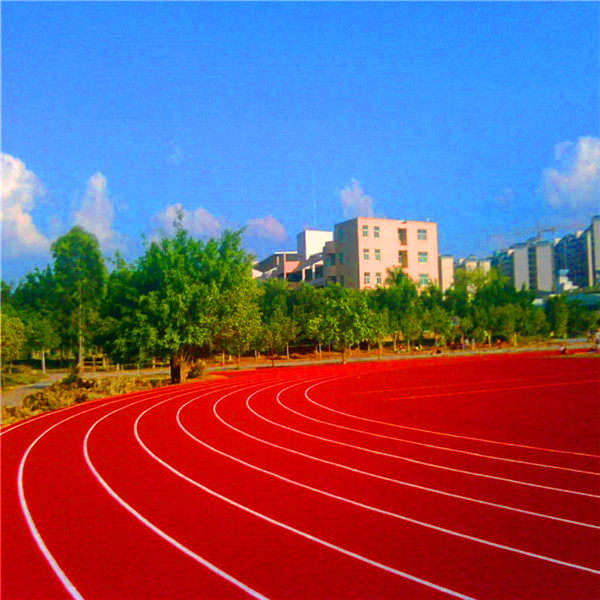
<point>186,299</point>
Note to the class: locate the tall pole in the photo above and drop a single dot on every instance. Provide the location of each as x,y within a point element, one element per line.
<point>314,197</point>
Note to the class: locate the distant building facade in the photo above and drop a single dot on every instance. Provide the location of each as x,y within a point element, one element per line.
<point>577,255</point>
<point>358,254</point>
<point>365,248</point>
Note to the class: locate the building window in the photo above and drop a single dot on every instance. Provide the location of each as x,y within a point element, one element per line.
<point>402,236</point>
<point>365,230</point>
<point>377,254</point>
<point>318,271</point>
<point>367,278</point>
<point>327,261</point>
<point>365,253</point>
<point>331,259</point>
<point>423,279</point>
<point>422,234</point>
<point>376,231</point>
<point>422,257</point>
<point>403,258</point>
<point>341,257</point>
<point>340,235</point>
<point>378,278</point>
<point>342,280</point>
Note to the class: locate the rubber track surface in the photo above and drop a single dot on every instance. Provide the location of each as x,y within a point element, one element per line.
<point>472,477</point>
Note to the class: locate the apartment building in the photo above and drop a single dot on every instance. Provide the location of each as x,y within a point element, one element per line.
<point>529,264</point>
<point>358,254</point>
<point>365,248</point>
<point>577,255</point>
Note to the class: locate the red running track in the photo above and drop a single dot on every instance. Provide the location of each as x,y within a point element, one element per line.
<point>471,477</point>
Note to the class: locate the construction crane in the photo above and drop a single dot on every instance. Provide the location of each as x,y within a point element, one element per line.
<point>538,230</point>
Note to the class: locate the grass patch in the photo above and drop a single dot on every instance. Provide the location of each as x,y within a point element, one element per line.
<point>21,376</point>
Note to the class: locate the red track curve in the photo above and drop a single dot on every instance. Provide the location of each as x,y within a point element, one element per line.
<point>469,478</point>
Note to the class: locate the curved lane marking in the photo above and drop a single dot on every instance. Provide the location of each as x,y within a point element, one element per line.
<point>162,534</point>
<point>71,589</point>
<point>420,462</point>
<point>366,506</point>
<point>445,448</point>
<point>289,527</point>
<point>452,435</point>
<point>405,483</point>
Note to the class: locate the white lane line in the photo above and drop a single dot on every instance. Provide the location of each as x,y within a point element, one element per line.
<point>441,385</point>
<point>71,589</point>
<point>354,502</point>
<point>452,435</point>
<point>289,527</point>
<point>406,483</point>
<point>420,462</point>
<point>445,448</point>
<point>162,534</point>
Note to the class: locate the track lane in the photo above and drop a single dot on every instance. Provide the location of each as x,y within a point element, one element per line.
<point>299,567</point>
<point>528,472</point>
<point>379,532</point>
<point>257,552</point>
<point>577,506</point>
<point>411,501</point>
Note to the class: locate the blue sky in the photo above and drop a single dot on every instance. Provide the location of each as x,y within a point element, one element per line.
<point>480,116</point>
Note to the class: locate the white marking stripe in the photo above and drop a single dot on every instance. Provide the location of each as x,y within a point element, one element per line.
<point>29,519</point>
<point>461,437</point>
<point>420,462</point>
<point>148,523</point>
<point>290,528</point>
<point>356,503</point>
<point>445,448</point>
<point>408,484</point>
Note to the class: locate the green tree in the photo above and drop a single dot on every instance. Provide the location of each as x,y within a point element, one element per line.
<point>399,297</point>
<point>80,282</point>
<point>437,320</point>
<point>36,298</point>
<point>239,325</point>
<point>557,313</point>
<point>346,317</point>
<point>580,320</point>
<point>13,336</point>
<point>185,288</point>
<point>278,330</point>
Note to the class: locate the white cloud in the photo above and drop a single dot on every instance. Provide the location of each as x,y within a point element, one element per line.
<point>20,188</point>
<point>354,202</point>
<point>266,228</point>
<point>96,214</point>
<point>198,222</point>
<point>574,182</point>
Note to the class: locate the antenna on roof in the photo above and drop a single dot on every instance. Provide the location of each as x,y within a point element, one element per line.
<point>314,198</point>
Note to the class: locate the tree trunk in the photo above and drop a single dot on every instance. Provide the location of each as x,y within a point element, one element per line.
<point>287,351</point>
<point>329,349</point>
<point>343,354</point>
<point>380,351</point>
<point>395,342</point>
<point>80,365</point>
<point>43,360</point>
<point>175,369</point>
